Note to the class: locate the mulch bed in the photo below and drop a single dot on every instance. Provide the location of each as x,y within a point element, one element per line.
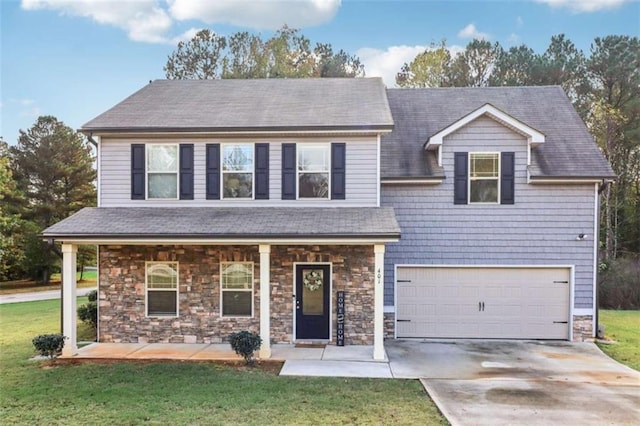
<point>268,366</point>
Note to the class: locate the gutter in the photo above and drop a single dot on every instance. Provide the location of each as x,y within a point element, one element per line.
<point>91,140</point>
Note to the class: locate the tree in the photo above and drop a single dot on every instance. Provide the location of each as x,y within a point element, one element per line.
<point>341,64</point>
<point>472,68</point>
<point>53,167</point>
<point>245,58</point>
<point>519,66</point>
<point>564,65</point>
<point>197,59</point>
<point>614,119</point>
<point>287,54</point>
<point>428,69</point>
<point>11,253</point>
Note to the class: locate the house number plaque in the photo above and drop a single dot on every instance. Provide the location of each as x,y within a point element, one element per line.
<point>340,315</point>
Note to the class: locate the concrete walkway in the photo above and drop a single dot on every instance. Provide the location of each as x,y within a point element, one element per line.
<point>38,295</point>
<point>332,361</point>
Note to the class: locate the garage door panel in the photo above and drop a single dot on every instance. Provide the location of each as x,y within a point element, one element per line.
<point>520,303</point>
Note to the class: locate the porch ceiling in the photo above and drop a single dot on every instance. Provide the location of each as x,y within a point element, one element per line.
<point>232,225</point>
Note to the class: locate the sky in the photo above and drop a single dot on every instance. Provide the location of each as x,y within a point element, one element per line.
<point>74,59</point>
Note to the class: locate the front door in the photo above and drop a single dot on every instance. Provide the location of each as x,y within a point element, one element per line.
<point>312,301</point>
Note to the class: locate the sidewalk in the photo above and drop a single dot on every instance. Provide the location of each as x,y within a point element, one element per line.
<point>38,295</point>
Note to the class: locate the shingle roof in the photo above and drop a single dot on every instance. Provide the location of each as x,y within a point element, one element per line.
<point>227,223</point>
<point>568,152</point>
<point>251,105</point>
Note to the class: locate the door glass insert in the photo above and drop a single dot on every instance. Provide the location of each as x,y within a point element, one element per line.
<point>312,291</point>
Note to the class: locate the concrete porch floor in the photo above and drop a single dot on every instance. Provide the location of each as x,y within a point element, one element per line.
<point>220,351</point>
<point>334,361</point>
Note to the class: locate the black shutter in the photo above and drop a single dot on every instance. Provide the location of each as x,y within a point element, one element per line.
<point>137,172</point>
<point>460,177</point>
<point>288,171</point>
<point>262,171</point>
<point>213,171</point>
<point>186,171</point>
<point>338,167</point>
<point>507,178</point>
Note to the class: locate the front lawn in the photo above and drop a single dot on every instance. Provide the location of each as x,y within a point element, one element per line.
<point>622,327</point>
<point>182,393</point>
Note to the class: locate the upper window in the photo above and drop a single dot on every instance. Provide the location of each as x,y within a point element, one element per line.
<point>162,171</point>
<point>237,171</point>
<point>484,177</point>
<point>236,284</point>
<point>314,167</point>
<point>162,288</point>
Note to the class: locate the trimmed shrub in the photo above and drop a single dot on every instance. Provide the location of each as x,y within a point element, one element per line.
<point>92,296</point>
<point>89,314</point>
<point>245,343</point>
<point>49,344</point>
<point>619,284</point>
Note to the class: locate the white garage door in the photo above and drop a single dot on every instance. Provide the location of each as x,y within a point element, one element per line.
<point>501,303</point>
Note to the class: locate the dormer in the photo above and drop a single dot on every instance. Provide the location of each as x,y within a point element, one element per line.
<point>534,137</point>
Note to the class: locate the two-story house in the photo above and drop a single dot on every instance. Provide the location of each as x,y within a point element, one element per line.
<point>278,205</point>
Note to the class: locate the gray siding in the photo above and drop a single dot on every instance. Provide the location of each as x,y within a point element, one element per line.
<point>361,174</point>
<point>539,229</point>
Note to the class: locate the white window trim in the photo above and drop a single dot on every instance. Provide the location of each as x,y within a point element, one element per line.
<point>236,289</point>
<point>147,172</point>
<point>223,172</point>
<point>298,171</point>
<point>146,289</point>
<point>498,178</point>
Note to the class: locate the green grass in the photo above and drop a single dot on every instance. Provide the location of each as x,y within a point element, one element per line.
<point>86,276</point>
<point>183,393</point>
<point>89,279</point>
<point>622,327</point>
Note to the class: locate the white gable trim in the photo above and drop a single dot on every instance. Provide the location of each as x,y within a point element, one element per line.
<point>533,136</point>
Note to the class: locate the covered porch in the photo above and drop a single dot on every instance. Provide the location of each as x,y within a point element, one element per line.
<point>267,229</point>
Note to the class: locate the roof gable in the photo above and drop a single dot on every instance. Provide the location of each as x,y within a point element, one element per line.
<point>533,136</point>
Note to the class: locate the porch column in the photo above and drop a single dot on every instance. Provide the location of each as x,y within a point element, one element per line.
<point>265,300</point>
<point>378,303</point>
<point>69,259</point>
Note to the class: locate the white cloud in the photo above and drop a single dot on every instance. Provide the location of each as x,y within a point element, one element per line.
<point>579,6</point>
<point>151,21</point>
<point>513,38</point>
<point>470,31</point>
<point>258,14</point>
<point>387,63</point>
<point>144,20</point>
<point>519,22</point>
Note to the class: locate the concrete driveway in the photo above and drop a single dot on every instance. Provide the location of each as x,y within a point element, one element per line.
<point>517,382</point>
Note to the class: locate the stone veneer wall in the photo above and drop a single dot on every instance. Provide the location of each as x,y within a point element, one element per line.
<point>389,325</point>
<point>122,292</point>
<point>583,328</point>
